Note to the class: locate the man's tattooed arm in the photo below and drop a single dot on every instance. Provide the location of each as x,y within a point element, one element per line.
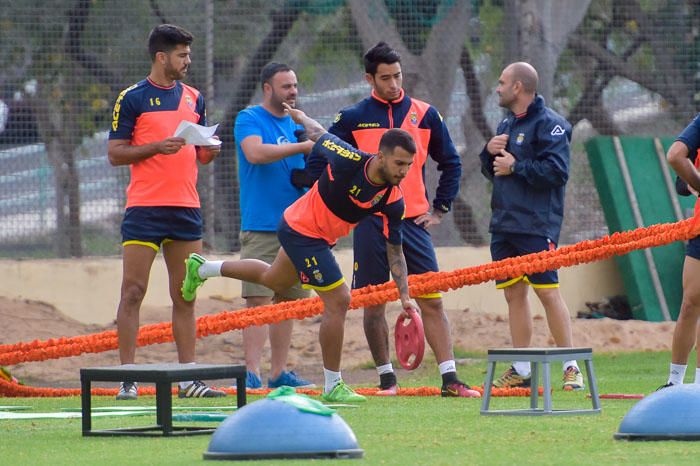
<point>397,265</point>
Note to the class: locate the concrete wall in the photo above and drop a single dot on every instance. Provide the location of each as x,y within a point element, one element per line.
<point>88,289</point>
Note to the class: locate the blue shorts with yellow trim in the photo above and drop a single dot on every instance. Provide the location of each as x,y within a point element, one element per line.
<point>371,266</point>
<point>693,248</point>
<point>152,226</point>
<point>505,245</point>
<point>312,257</point>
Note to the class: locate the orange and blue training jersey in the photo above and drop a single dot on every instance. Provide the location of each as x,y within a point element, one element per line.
<point>363,125</point>
<point>146,113</point>
<point>344,195</point>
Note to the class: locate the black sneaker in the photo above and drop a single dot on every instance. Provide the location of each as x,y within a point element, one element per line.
<point>199,389</point>
<point>388,385</point>
<point>665,386</point>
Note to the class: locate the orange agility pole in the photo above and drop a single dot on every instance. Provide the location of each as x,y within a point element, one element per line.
<point>583,252</point>
<point>13,390</point>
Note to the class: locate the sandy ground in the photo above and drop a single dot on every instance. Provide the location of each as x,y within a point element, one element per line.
<point>28,320</point>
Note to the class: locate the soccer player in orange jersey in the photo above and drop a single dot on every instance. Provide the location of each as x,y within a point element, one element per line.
<point>354,185</point>
<point>162,207</point>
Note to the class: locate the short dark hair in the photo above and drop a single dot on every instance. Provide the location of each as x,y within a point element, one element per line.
<point>396,137</point>
<point>380,53</point>
<point>270,70</point>
<point>165,37</point>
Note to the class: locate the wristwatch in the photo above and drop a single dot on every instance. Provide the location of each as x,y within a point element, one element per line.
<point>442,208</point>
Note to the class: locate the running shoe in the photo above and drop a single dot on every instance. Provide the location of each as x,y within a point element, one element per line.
<point>192,279</point>
<point>199,389</point>
<point>341,393</point>
<point>511,379</point>
<point>290,379</point>
<point>459,390</point>
<point>666,385</point>
<point>573,379</point>
<point>128,391</point>
<point>388,385</point>
<point>252,380</point>
<point>393,390</point>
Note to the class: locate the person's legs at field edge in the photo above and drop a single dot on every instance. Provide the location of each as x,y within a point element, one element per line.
<point>136,267</point>
<point>686,332</point>
<point>519,313</point>
<point>336,303</point>
<point>254,337</point>
<point>372,268</point>
<point>175,253</point>
<point>519,320</point>
<point>264,245</point>
<point>435,323</point>
<point>281,275</point>
<point>184,324</point>
<point>558,317</point>
<point>516,292</point>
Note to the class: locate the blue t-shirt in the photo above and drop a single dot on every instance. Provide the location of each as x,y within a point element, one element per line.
<point>266,189</point>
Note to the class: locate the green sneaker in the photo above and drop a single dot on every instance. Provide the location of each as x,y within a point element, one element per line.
<point>192,279</point>
<point>341,393</point>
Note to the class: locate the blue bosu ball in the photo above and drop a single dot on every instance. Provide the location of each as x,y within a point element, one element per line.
<point>672,413</point>
<point>270,428</point>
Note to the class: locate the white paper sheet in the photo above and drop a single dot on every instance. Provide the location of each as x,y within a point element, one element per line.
<point>197,134</point>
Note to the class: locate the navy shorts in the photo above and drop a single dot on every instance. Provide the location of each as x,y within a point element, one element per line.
<point>152,226</point>
<point>505,245</point>
<point>312,257</point>
<point>693,248</point>
<point>371,266</point>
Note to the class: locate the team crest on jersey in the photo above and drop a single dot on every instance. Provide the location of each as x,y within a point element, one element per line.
<point>337,117</point>
<point>558,131</point>
<point>303,278</point>
<point>188,101</point>
<point>414,118</point>
<point>318,276</point>
<point>519,140</point>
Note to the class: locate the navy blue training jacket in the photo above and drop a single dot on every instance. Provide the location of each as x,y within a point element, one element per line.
<point>362,125</point>
<point>531,200</point>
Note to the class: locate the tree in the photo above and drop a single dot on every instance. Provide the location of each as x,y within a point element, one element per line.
<point>650,46</point>
<point>68,103</point>
<point>539,31</point>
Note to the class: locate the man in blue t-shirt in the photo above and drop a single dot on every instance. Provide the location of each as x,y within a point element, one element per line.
<point>681,155</point>
<point>268,150</point>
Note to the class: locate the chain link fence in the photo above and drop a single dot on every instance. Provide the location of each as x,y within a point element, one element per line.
<point>611,67</point>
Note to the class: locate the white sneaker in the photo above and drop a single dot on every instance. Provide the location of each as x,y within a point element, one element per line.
<point>128,391</point>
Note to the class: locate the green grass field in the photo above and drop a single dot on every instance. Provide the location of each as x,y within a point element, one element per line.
<point>399,431</point>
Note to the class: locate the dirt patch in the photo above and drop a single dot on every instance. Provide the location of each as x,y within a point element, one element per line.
<point>31,320</point>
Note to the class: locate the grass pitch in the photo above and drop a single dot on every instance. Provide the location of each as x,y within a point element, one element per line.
<point>398,431</point>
